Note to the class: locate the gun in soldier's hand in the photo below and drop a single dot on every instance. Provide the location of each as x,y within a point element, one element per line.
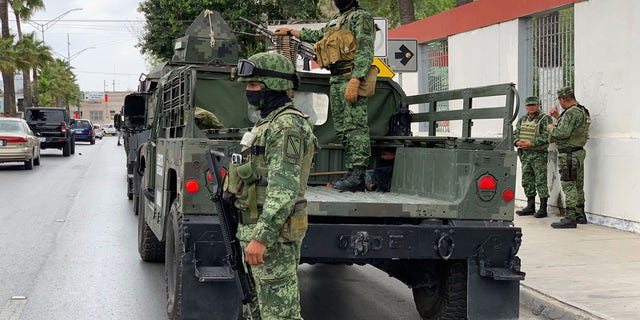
<point>305,49</point>
<point>229,225</point>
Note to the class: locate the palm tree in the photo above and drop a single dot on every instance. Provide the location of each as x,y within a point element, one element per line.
<point>7,73</point>
<point>407,11</point>
<point>43,57</point>
<point>26,50</point>
<point>58,84</point>
<point>24,10</point>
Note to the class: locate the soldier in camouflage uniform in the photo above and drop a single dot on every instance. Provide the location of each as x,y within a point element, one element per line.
<point>570,135</point>
<point>270,183</point>
<point>354,29</point>
<point>531,139</point>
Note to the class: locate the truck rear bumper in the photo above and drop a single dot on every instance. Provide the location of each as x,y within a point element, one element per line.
<point>496,245</point>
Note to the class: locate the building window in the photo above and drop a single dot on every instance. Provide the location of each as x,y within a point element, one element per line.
<point>96,116</point>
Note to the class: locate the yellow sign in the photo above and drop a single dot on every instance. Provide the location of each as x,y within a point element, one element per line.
<point>385,71</point>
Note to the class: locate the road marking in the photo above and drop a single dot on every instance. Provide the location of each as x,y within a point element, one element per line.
<point>12,310</point>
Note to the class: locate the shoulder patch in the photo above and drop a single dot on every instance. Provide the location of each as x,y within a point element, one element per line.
<point>292,152</point>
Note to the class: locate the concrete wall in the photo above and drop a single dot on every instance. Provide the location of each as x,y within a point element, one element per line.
<point>607,40</point>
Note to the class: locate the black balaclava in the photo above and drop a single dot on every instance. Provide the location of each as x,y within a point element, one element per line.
<point>267,100</point>
<point>345,5</point>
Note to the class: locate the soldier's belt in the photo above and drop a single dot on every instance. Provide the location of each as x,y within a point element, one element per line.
<point>255,150</point>
<point>570,149</point>
<point>340,71</point>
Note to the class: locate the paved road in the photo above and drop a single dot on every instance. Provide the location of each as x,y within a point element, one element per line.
<point>69,251</point>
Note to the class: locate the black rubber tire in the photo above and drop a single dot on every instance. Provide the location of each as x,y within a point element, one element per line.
<point>173,267</point>
<point>73,145</point>
<point>28,165</point>
<point>150,248</point>
<point>36,161</point>
<point>66,149</point>
<point>93,141</point>
<point>448,301</point>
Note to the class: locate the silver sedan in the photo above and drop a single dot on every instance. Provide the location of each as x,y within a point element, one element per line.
<point>18,143</point>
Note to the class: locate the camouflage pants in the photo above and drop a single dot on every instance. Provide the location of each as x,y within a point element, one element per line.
<point>278,296</point>
<point>534,173</point>
<point>351,124</point>
<point>572,180</point>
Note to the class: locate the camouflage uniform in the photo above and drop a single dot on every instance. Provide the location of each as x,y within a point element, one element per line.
<point>570,136</point>
<point>279,155</point>
<point>350,119</point>
<point>534,159</point>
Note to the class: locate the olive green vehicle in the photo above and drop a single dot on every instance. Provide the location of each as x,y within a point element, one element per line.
<point>445,228</point>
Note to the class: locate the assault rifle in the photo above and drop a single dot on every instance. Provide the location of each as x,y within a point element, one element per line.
<point>304,49</point>
<point>229,226</point>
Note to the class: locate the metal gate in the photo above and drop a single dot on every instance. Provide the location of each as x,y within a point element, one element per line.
<point>550,42</point>
<point>438,75</point>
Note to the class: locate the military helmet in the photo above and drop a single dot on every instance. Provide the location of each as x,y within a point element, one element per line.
<point>565,92</point>
<point>531,100</point>
<point>274,70</point>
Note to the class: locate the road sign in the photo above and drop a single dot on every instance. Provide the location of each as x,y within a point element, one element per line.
<point>380,41</point>
<point>403,55</point>
<point>385,71</point>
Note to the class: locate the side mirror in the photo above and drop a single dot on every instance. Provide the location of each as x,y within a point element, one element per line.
<point>72,122</point>
<point>117,121</point>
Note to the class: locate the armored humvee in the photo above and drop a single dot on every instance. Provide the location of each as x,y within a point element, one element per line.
<point>445,227</point>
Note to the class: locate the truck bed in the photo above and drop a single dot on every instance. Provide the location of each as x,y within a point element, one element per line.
<point>323,201</point>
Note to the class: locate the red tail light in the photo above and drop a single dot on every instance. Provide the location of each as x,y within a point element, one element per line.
<point>507,195</point>
<point>63,128</point>
<point>90,131</point>
<point>14,139</point>
<point>487,183</point>
<point>192,186</point>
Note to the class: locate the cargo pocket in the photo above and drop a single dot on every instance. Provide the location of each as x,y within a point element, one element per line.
<point>295,228</point>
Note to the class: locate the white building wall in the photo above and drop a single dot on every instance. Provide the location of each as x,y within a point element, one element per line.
<point>607,40</point>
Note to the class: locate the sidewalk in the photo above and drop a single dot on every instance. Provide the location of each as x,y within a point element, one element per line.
<point>591,272</point>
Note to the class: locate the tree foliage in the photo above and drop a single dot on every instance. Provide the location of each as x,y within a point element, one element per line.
<point>166,20</point>
<point>58,86</point>
<point>391,10</point>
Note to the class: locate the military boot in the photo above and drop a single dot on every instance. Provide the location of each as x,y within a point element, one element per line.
<point>353,182</point>
<point>529,209</point>
<point>567,222</point>
<point>581,217</point>
<point>346,175</point>
<point>542,212</point>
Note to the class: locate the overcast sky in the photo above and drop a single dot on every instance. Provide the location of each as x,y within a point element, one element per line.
<point>108,30</point>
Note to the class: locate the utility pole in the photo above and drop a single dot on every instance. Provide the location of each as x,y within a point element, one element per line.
<point>45,26</point>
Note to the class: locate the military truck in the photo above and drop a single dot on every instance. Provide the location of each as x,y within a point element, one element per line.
<point>445,227</point>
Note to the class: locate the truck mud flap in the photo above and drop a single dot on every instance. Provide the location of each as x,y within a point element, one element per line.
<point>209,289</point>
<point>490,299</point>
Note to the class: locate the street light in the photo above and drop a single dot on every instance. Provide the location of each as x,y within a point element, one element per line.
<point>69,57</point>
<point>45,26</point>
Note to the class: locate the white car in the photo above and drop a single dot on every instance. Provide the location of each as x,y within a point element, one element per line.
<point>109,129</point>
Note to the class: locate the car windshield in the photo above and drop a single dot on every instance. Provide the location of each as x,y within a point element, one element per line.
<point>50,116</point>
<point>79,124</point>
<point>10,126</point>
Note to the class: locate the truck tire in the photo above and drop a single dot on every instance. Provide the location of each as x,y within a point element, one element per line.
<point>150,248</point>
<point>66,149</point>
<point>449,299</point>
<point>73,145</point>
<point>174,235</point>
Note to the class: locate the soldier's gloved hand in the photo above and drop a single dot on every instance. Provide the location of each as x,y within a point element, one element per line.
<point>283,32</point>
<point>351,92</point>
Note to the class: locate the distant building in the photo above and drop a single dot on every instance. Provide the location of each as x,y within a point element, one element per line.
<point>100,107</point>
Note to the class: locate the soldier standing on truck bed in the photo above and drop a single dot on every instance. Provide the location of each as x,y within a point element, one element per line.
<point>350,65</point>
<point>532,140</point>
<point>269,180</point>
<point>570,135</point>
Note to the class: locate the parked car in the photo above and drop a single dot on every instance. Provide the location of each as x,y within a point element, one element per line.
<point>99,132</point>
<point>18,143</point>
<point>52,126</point>
<point>109,129</point>
<point>83,130</point>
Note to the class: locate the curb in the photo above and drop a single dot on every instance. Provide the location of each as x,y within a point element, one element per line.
<point>547,307</point>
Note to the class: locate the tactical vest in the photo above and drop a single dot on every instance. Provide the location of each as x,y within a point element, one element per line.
<point>338,42</point>
<point>580,135</point>
<point>248,180</point>
<point>530,128</point>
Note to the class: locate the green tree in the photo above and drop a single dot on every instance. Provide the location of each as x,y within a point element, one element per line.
<point>24,10</point>
<point>43,57</point>
<point>167,20</point>
<point>58,86</point>
<point>9,67</point>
